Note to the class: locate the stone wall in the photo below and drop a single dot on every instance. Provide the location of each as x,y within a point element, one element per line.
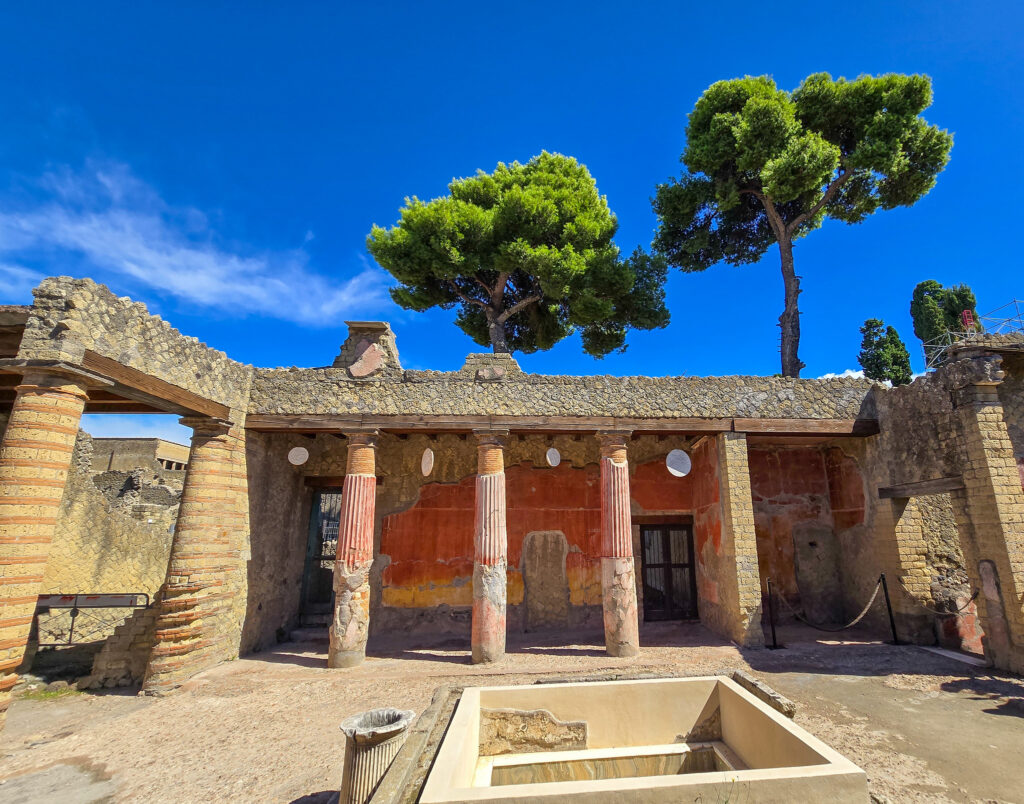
<point>916,542</point>
<point>1011,394</point>
<point>278,516</point>
<point>105,543</point>
<point>125,454</point>
<point>72,315</point>
<point>332,391</point>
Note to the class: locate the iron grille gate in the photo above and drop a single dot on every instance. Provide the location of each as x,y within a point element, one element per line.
<point>669,578</point>
<point>77,619</point>
<point>321,549</point>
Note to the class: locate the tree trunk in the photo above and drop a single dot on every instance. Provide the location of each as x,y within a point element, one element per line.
<point>497,332</point>
<point>789,321</point>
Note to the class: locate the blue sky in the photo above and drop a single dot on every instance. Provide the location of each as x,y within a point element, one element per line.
<point>223,162</point>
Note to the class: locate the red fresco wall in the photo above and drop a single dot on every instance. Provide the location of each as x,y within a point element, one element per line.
<point>707,518</point>
<point>793,486</point>
<point>789,487</point>
<point>431,544</point>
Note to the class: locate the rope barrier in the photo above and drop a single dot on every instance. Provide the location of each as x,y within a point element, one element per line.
<point>916,602</point>
<point>830,629</point>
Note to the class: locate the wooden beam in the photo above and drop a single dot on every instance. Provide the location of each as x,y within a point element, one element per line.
<point>314,423</point>
<point>859,427</point>
<point>141,387</point>
<point>920,488</point>
<point>124,406</point>
<point>330,481</point>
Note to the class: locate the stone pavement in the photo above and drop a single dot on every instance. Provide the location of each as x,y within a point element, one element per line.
<point>265,728</point>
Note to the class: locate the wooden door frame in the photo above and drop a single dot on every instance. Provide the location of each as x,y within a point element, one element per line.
<point>664,522</point>
<point>312,523</point>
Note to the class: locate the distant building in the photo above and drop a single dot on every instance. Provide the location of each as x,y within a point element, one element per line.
<point>125,454</point>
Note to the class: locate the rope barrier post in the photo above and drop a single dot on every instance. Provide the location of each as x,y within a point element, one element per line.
<point>771,614</point>
<point>888,605</point>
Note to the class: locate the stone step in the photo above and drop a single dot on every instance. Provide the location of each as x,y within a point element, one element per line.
<point>319,634</point>
<point>315,620</point>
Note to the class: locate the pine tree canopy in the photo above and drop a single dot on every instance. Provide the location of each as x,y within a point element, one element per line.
<point>766,166</point>
<point>883,355</point>
<point>526,255</point>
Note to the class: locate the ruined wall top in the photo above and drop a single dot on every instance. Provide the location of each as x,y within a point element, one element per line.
<point>498,387</point>
<point>369,351</point>
<point>72,315</point>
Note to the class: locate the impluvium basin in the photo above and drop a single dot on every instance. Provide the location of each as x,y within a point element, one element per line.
<point>656,740</point>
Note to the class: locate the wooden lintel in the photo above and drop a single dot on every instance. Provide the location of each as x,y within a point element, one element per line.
<point>311,423</point>
<point>125,406</point>
<point>159,394</point>
<point>330,481</point>
<point>920,488</point>
<point>314,423</point>
<point>859,427</point>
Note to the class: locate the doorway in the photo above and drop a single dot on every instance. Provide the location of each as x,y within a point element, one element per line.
<point>669,572</point>
<point>321,548</point>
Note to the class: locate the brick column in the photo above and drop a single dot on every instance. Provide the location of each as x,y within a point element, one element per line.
<point>200,606</point>
<point>351,621</point>
<point>992,503</point>
<point>490,549</point>
<point>35,456</point>
<point>738,615</point>
<point>618,573</point>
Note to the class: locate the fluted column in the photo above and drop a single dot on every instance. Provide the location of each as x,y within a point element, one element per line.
<point>351,621</point>
<point>618,575</point>
<point>35,456</point>
<point>196,623</point>
<point>490,549</point>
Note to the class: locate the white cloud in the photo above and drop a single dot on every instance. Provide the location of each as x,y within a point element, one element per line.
<point>859,375</point>
<point>142,425</point>
<point>120,226</point>
<point>855,374</point>
<point>16,283</point>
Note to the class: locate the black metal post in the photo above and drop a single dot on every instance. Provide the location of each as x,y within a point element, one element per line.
<point>71,630</point>
<point>771,613</point>
<point>888,605</point>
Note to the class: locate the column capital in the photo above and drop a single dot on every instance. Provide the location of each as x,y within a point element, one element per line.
<point>44,382</point>
<point>362,438</point>
<point>53,374</point>
<point>205,425</point>
<point>490,450</point>
<point>614,444</point>
<point>494,436</point>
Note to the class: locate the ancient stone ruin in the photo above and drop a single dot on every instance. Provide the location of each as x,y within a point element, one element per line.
<point>361,498</point>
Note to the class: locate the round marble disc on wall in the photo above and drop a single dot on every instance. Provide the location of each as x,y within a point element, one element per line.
<point>554,457</point>
<point>678,463</point>
<point>427,461</point>
<point>298,456</point>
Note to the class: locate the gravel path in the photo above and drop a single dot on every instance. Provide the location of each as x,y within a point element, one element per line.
<point>265,728</point>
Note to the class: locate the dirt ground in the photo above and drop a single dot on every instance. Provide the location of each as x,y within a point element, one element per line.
<point>924,727</point>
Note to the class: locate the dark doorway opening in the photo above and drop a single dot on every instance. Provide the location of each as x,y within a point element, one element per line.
<point>669,572</point>
<point>321,548</point>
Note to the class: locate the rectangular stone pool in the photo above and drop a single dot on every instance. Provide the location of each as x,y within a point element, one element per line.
<point>656,740</point>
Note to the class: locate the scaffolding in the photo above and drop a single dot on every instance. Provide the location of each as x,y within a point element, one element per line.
<point>1005,320</point>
